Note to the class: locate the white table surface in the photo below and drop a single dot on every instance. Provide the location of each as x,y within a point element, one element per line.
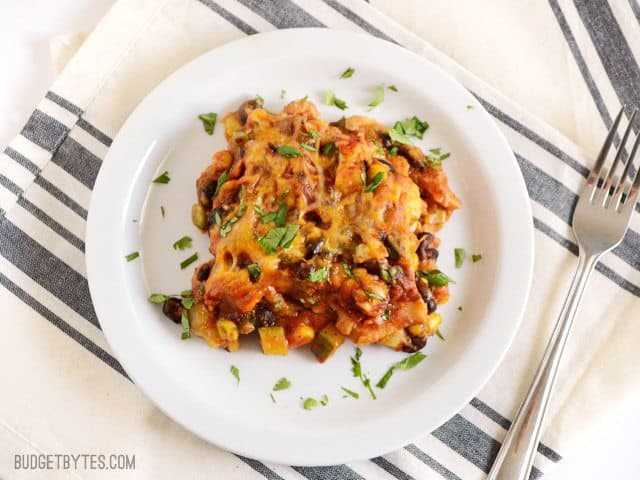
<point>612,453</point>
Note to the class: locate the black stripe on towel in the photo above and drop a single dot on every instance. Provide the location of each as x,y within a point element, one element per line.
<point>229,17</point>
<point>44,130</point>
<point>430,462</point>
<point>46,269</point>
<point>62,325</point>
<point>612,47</point>
<point>282,13</point>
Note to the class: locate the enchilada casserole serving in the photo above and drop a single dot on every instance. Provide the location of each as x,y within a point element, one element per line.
<point>319,232</point>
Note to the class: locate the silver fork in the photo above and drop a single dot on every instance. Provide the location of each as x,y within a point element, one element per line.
<point>600,221</point>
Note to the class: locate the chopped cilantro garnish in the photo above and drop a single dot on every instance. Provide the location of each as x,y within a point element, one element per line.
<point>158,298</point>
<point>348,271</point>
<point>319,275</point>
<point>373,295</point>
<point>459,254</point>
<point>469,107</point>
<point>236,373</point>
<point>406,364</point>
<point>328,148</point>
<point>254,271</point>
<point>182,243</point>
<point>396,135</point>
<point>476,257</point>
<point>356,368</point>
<point>162,178</point>
<point>208,121</point>
<point>393,88</point>
<point>306,146</point>
<point>282,384</point>
<point>378,98</point>
<point>438,331</point>
<point>375,182</point>
<point>224,176</point>
<point>273,399</point>
<point>331,99</point>
<point>186,328</point>
<point>310,403</point>
<point>347,73</point>
<point>162,210</point>
<point>187,302</point>
<point>435,277</point>
<point>287,151</point>
<point>278,237</point>
<point>225,227</point>
<point>185,263</point>
<point>132,256</point>
<point>350,392</point>
<point>324,400</point>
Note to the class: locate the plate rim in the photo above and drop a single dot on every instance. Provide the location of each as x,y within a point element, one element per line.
<point>94,261</point>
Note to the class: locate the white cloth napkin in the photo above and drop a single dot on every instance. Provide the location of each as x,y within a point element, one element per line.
<point>65,393</point>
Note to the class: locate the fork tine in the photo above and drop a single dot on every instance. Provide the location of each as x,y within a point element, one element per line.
<point>621,183</point>
<point>630,202</point>
<point>592,180</point>
<point>604,192</point>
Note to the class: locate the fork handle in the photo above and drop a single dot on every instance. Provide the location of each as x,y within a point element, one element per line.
<point>515,458</point>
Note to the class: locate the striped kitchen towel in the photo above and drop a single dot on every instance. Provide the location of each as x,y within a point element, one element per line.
<point>63,391</point>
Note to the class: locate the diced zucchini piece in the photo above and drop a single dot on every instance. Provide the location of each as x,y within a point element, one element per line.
<point>273,341</point>
<point>396,340</point>
<point>326,342</point>
<point>201,326</point>
<point>198,216</point>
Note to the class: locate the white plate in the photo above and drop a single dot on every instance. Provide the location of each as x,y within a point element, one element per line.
<point>191,382</point>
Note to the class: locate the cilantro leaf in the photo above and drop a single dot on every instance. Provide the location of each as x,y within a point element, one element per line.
<point>459,255</point>
<point>288,152</point>
<point>132,256</point>
<point>186,328</point>
<point>282,384</point>
<point>182,243</point>
<point>331,99</point>
<point>350,392</point>
<point>310,403</point>
<point>348,73</point>
<point>224,176</point>
<point>319,275</point>
<point>476,257</point>
<point>208,121</point>
<point>378,98</point>
<point>328,148</point>
<point>158,298</point>
<point>162,178</point>
<point>375,182</point>
<point>254,271</point>
<point>435,277</point>
<point>188,261</point>
<point>236,373</point>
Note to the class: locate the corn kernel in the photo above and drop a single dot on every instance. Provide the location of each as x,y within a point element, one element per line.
<point>417,330</point>
<point>227,330</point>
<point>433,322</point>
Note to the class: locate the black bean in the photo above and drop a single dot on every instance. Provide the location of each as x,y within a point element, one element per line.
<point>208,189</point>
<point>314,217</point>
<point>203,272</point>
<point>264,316</point>
<point>173,309</point>
<point>392,247</point>
<point>246,108</point>
<point>415,344</point>
<point>371,266</point>
<point>429,254</point>
<point>313,247</point>
<point>425,243</point>
<point>427,296</point>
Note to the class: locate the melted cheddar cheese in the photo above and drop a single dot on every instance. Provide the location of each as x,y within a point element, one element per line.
<point>317,233</point>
